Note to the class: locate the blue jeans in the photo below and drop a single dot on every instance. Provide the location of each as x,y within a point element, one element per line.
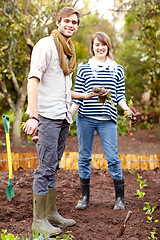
<point>107,132</point>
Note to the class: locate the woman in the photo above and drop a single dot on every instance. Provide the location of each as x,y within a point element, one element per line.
<point>100,71</point>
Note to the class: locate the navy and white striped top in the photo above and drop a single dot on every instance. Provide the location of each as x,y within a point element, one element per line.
<point>111,77</point>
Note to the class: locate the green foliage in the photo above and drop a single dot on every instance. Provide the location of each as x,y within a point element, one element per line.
<point>139,50</point>
<point>148,208</point>
<point>122,128</point>
<point>140,194</point>
<point>36,236</point>
<point>149,211</point>
<point>152,234</point>
<point>73,128</point>
<point>133,170</point>
<point>7,236</point>
<point>90,24</point>
<point>141,183</point>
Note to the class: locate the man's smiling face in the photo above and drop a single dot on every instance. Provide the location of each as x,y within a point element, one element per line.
<point>68,26</point>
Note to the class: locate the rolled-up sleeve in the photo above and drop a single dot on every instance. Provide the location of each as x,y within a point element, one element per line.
<point>39,60</point>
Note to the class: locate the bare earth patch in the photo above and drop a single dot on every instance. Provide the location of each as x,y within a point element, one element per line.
<point>99,221</point>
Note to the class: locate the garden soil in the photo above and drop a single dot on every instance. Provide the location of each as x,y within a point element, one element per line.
<point>99,221</point>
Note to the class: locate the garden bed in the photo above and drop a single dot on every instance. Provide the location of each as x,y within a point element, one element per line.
<point>99,221</point>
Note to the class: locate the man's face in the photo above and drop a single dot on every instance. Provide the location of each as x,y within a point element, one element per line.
<point>68,26</point>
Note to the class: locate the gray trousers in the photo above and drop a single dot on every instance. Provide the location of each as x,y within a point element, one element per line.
<point>50,147</point>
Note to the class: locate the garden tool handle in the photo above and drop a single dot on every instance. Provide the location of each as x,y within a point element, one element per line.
<point>6,123</point>
<point>9,155</point>
<point>127,217</point>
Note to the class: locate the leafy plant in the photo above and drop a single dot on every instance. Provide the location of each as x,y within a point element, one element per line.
<point>141,183</point>
<point>140,194</point>
<point>133,171</point>
<point>131,116</point>
<point>149,210</point>
<point>139,178</point>
<point>122,128</point>
<point>7,236</point>
<point>152,234</point>
<point>36,236</point>
<point>103,99</point>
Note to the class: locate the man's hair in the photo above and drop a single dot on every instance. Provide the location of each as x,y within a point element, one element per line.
<point>103,38</point>
<point>66,12</point>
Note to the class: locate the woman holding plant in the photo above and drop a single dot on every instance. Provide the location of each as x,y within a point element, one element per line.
<point>100,114</point>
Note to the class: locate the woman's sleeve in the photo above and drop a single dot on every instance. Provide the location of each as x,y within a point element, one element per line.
<point>79,84</point>
<point>120,90</point>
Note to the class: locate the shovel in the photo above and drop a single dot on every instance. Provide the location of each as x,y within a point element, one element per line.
<point>124,226</point>
<point>9,190</point>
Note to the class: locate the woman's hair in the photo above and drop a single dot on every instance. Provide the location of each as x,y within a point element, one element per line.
<point>103,38</point>
<point>66,12</point>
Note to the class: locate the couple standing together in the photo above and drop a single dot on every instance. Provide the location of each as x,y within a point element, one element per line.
<point>50,112</point>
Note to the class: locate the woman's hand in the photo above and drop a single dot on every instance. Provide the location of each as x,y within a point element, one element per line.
<point>101,93</point>
<point>133,115</point>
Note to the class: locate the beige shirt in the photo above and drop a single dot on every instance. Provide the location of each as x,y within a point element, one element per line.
<point>54,88</point>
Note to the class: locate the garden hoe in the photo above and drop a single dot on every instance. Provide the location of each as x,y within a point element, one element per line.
<point>9,190</point>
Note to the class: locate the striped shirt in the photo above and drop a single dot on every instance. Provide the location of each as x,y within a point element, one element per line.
<point>112,78</point>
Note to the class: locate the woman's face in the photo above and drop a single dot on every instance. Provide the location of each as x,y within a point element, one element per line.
<point>100,50</point>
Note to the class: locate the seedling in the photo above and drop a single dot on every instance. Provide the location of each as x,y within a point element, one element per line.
<point>7,236</point>
<point>140,194</point>
<point>139,178</point>
<point>141,183</point>
<point>148,208</point>
<point>152,234</point>
<point>150,211</point>
<point>35,236</point>
<point>133,171</point>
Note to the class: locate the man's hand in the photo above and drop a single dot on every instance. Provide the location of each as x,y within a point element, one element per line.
<point>30,126</point>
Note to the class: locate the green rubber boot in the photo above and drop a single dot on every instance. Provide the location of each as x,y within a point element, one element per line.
<point>40,222</point>
<point>52,215</point>
<point>119,190</point>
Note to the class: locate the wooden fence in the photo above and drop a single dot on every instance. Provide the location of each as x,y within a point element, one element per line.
<point>70,161</point>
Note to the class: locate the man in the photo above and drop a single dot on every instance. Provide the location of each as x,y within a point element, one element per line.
<point>49,96</point>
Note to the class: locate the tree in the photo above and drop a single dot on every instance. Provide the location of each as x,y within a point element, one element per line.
<point>90,24</point>
<point>139,50</point>
<point>22,23</point>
